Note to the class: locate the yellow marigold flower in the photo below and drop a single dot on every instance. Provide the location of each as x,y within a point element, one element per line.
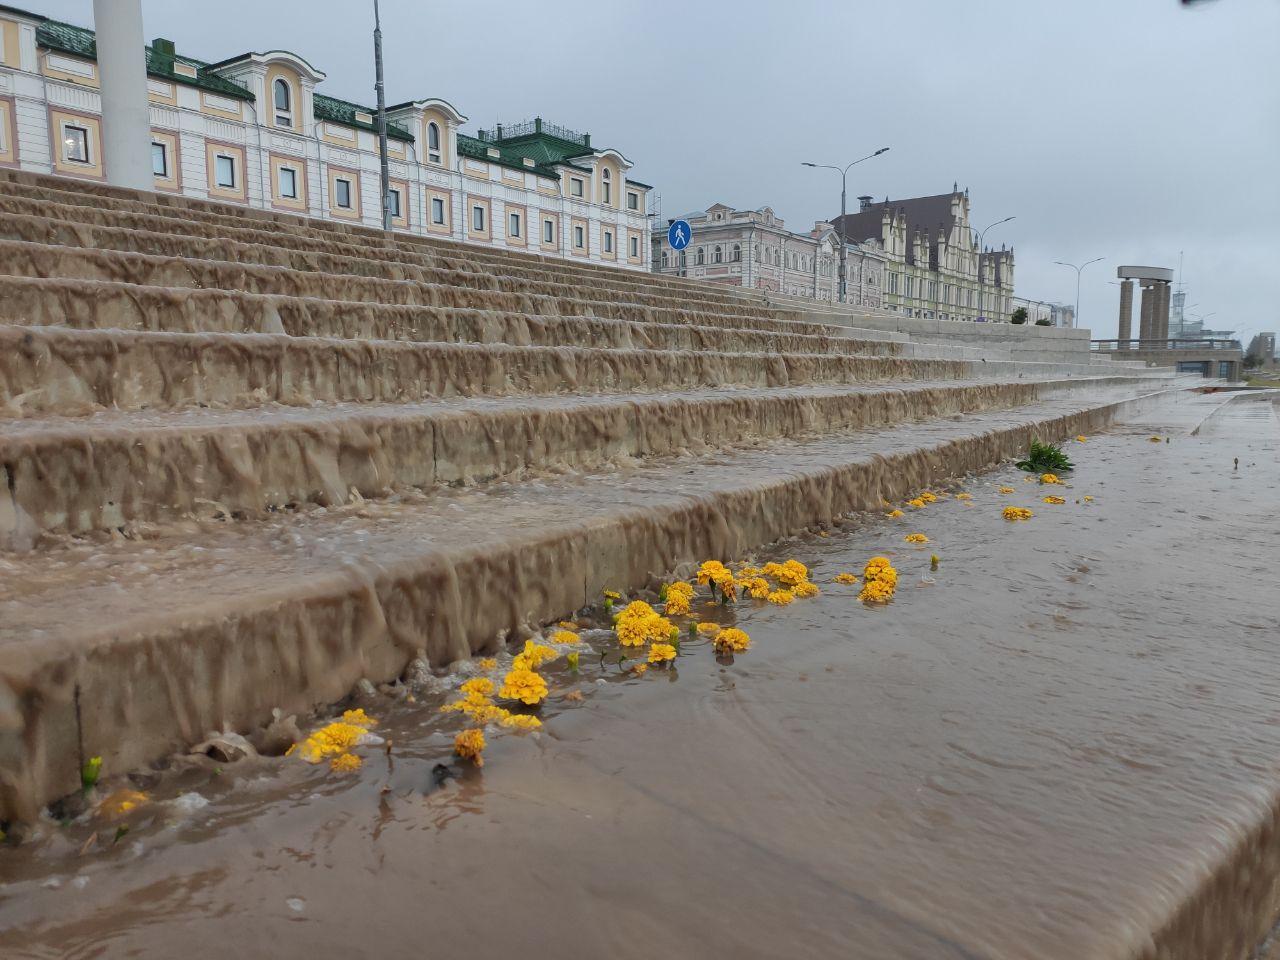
<point>1006,490</point>
<point>523,685</point>
<point>1017,513</point>
<point>469,744</point>
<point>345,763</point>
<point>733,639</point>
<point>478,686</point>
<point>1049,478</point>
<point>781,597</point>
<point>804,590</point>
<point>636,608</point>
<point>1154,439</point>
<point>487,664</point>
<point>1088,499</point>
<point>632,632</point>
<point>612,595</point>
<point>329,741</point>
<point>749,572</point>
<point>565,636</point>
<point>876,591</point>
<point>877,563</point>
<point>708,629</point>
<point>359,718</point>
<point>520,721</point>
<point>1081,438</point>
<point>846,578</point>
<point>917,502</point>
<point>758,587</point>
<point>928,497</point>
<point>1054,500</point>
<point>680,589</point>
<point>661,653</point>
<point>710,571</point>
<point>964,496</point>
<point>640,669</point>
<point>893,514</point>
<point>536,654</point>
<point>791,573</point>
<point>676,606</point>
<point>916,538</point>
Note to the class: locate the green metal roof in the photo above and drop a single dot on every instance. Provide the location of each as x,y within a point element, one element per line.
<point>344,112</point>
<point>79,41</point>
<point>479,149</point>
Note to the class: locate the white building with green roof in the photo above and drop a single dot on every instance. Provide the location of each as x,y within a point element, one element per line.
<point>253,129</point>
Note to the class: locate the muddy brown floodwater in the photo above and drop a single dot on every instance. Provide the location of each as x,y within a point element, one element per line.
<point>1064,743</point>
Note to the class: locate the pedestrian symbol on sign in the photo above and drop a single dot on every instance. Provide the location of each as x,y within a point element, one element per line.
<point>679,234</point>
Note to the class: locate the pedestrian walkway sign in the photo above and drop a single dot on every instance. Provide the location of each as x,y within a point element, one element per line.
<point>679,234</point>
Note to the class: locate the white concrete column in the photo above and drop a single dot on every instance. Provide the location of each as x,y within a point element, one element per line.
<point>126,113</point>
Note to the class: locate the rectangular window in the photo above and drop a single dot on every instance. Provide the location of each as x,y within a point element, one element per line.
<point>224,171</point>
<point>633,200</point>
<point>75,143</point>
<point>342,193</point>
<point>477,219</point>
<point>159,160</point>
<point>289,183</point>
<point>437,210</point>
<point>548,231</point>
<point>575,186</point>
<point>579,238</point>
<point>608,241</point>
<point>393,201</point>
<point>513,225</point>
<point>635,246</point>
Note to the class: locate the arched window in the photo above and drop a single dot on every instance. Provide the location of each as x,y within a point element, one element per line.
<point>433,142</point>
<point>718,256</point>
<point>776,260</point>
<point>283,98</point>
<point>737,253</point>
<point>608,185</point>
<point>664,258</point>
<point>701,257</point>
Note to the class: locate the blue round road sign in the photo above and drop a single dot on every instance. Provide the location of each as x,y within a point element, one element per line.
<point>679,234</point>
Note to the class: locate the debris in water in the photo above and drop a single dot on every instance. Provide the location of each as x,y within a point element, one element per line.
<point>1017,513</point>
<point>916,538</point>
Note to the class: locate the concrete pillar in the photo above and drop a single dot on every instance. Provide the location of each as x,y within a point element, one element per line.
<point>1147,311</point>
<point>126,114</point>
<point>1162,317</point>
<point>1126,312</point>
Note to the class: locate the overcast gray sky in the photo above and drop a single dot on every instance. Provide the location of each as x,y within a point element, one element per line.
<point>1126,129</point>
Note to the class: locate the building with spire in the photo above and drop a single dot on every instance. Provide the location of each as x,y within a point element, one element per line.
<point>934,269</point>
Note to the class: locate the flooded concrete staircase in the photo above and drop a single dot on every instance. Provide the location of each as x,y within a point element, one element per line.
<point>251,459</point>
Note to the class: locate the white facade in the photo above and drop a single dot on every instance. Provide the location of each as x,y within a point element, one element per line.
<point>220,133</point>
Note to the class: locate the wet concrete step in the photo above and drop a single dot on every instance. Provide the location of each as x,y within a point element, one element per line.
<point>118,470</point>
<point>390,283</point>
<point>324,256</point>
<point>131,650</point>
<point>184,211</point>
<point>68,371</point>
<point>96,304</point>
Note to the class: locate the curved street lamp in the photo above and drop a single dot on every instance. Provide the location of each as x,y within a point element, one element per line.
<point>844,172</point>
<point>1078,269</point>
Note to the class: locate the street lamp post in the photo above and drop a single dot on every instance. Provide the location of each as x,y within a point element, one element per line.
<point>1078,269</point>
<point>844,174</point>
<point>982,233</point>
<point>382,119</point>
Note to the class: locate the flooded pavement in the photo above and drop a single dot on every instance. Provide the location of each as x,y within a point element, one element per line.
<point>1062,743</point>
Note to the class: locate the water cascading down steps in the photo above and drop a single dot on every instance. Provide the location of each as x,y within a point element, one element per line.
<point>251,459</point>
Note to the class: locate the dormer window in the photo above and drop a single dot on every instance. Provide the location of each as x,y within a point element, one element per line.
<point>283,98</point>
<point>608,186</point>
<point>433,142</point>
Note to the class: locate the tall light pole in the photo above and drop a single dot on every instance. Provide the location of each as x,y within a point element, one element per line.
<point>982,233</point>
<point>380,87</point>
<point>844,179</point>
<point>1079,269</point>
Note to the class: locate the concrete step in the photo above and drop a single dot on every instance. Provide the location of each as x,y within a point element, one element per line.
<point>61,370</point>
<point>387,283</point>
<point>130,650</point>
<point>95,304</point>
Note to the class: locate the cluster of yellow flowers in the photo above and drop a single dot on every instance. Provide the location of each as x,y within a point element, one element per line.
<point>1081,438</point>
<point>1006,490</point>
<point>879,581</point>
<point>334,741</point>
<point>679,595</point>
<point>916,502</point>
<point>846,578</point>
<point>780,598</point>
<point>1017,513</point>
<point>639,624</point>
<point>893,514</point>
<point>1054,500</point>
<point>964,496</point>
<point>916,538</point>
<point>1049,478</point>
<point>662,653</point>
